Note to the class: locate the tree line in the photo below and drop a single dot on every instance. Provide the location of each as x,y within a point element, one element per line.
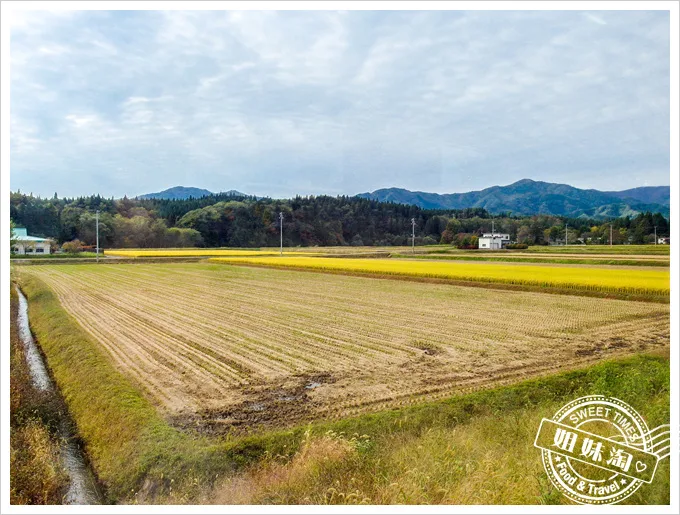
<point>225,220</point>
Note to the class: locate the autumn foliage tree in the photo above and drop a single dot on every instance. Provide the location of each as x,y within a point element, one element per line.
<point>73,246</point>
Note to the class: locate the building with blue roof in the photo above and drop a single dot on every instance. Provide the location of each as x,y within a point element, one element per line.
<point>25,244</point>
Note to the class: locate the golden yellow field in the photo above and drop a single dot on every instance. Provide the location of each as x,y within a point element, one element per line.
<point>241,346</point>
<point>581,278</point>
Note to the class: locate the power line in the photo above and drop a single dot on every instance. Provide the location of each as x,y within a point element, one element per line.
<point>281,231</point>
<point>97,219</point>
<point>413,235</point>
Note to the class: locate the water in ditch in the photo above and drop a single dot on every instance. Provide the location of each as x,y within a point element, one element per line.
<point>82,487</point>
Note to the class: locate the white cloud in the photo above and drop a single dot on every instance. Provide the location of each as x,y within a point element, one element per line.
<point>312,102</point>
<point>595,19</point>
<point>81,120</point>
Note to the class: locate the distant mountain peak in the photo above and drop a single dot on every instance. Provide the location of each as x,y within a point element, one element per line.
<point>177,193</point>
<point>235,193</point>
<point>184,192</point>
<point>530,197</point>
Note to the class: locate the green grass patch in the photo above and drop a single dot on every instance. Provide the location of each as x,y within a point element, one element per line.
<point>76,255</point>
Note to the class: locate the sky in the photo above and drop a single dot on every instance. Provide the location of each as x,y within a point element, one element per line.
<point>322,102</point>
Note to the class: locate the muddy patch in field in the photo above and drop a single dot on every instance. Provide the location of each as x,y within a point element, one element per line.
<point>618,343</point>
<point>265,406</point>
<point>431,352</point>
<point>427,348</point>
<point>317,380</point>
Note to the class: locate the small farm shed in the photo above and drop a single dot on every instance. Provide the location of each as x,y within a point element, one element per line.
<point>493,241</point>
<point>25,244</point>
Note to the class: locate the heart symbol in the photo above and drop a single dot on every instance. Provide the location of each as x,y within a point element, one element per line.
<point>640,467</point>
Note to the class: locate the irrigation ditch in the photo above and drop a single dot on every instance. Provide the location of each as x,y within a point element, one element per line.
<point>83,487</point>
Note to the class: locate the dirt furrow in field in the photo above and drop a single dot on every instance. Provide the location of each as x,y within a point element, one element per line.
<point>178,375</point>
<point>188,307</point>
<point>130,357</point>
<point>183,331</point>
<point>276,321</point>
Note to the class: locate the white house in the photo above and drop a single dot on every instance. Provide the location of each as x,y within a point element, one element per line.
<point>664,241</point>
<point>26,244</point>
<point>493,241</point>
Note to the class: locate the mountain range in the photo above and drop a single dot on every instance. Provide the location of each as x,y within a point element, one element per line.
<point>528,197</point>
<point>525,197</point>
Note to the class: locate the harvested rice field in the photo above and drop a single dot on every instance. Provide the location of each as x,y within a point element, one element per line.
<point>221,348</point>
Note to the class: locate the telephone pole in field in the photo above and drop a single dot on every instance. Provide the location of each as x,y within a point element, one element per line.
<point>611,234</point>
<point>281,232</point>
<point>566,234</point>
<point>413,235</point>
<point>656,241</point>
<point>97,230</point>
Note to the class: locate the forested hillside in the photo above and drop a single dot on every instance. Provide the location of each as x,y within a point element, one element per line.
<point>241,221</point>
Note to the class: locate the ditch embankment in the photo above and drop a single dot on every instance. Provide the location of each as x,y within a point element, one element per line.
<point>48,462</point>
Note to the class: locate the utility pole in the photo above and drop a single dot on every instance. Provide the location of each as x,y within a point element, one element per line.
<point>566,234</point>
<point>413,235</point>
<point>97,218</point>
<point>656,241</point>
<point>281,231</point>
<point>611,235</point>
